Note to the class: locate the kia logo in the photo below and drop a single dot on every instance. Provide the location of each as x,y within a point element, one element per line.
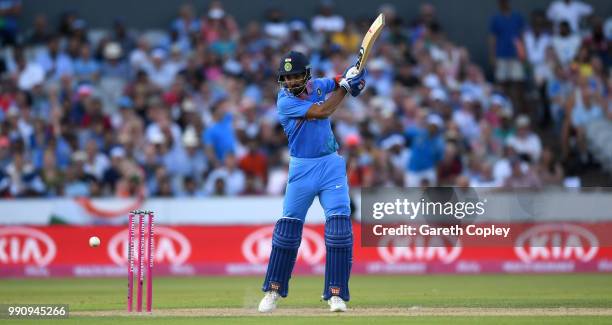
<point>257,246</point>
<point>418,249</point>
<point>170,247</point>
<point>21,245</point>
<point>556,242</point>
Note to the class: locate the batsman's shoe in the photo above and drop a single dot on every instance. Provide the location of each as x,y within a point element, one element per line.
<point>268,302</point>
<point>336,304</point>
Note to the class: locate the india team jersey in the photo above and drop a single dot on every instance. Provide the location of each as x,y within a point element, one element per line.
<point>307,138</point>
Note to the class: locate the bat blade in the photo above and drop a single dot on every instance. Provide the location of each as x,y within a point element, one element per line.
<point>368,41</point>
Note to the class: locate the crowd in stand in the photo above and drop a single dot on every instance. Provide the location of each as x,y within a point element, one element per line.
<point>190,111</point>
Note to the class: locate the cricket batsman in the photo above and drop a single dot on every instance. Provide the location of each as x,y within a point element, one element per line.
<point>315,169</point>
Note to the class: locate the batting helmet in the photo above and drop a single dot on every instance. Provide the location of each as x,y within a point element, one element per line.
<point>294,63</point>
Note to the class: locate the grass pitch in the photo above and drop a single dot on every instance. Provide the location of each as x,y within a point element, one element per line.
<point>435,299</point>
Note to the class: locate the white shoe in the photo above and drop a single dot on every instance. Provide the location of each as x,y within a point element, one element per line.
<point>336,304</point>
<point>268,302</point>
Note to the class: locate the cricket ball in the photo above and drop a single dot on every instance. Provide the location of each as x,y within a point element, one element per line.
<point>94,241</point>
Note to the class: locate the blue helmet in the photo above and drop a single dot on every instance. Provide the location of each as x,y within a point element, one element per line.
<point>294,63</point>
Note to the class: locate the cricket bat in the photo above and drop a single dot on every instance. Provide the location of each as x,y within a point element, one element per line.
<point>368,41</point>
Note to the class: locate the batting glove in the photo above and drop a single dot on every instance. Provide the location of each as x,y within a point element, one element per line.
<point>353,81</point>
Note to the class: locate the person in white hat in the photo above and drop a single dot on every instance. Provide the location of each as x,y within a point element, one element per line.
<point>159,71</point>
<point>525,141</point>
<point>379,78</point>
<point>113,65</point>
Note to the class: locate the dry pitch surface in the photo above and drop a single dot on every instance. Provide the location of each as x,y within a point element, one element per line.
<point>357,312</point>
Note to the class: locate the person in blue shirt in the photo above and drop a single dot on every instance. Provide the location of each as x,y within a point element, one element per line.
<point>219,139</point>
<point>506,52</point>
<point>506,28</point>
<point>427,150</point>
<point>315,169</point>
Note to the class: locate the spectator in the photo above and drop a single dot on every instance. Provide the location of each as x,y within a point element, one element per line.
<point>27,74</point>
<point>219,188</point>
<point>131,183</point>
<point>186,24</point>
<point>158,174</point>
<point>24,179</point>
<point>190,188</point>
<point>558,91</point>
<point>77,181</point>
<point>398,156</point>
<point>122,36</point>
<point>537,42</point>
<point>139,57</point>
<point>96,162</point>
<point>86,69</point>
<point>224,46</point>
<point>485,177</point>
<point>487,145</point>
<point>219,138</point>
<point>379,78</point>
<point>570,11</point>
<point>549,169</point>
<point>426,18</point>
<point>51,175</point>
<point>506,52</point>
<point>176,60</point>
<point>226,180</point>
<point>114,172</point>
<point>465,118</point>
<point>326,20</point>
<point>164,188</point>
<point>349,39</point>
<point>608,28</point>
<point>54,61</point>
<point>275,26</point>
<point>360,171</point>
<point>216,20</point>
<point>159,72</point>
<point>450,166</point>
<point>521,178</point>
<point>427,146</point>
<point>525,142</point>
<point>566,44</point>
<point>39,34</point>
<point>255,164</point>
<point>10,10</point>
<point>597,43</point>
<point>191,161</point>
<point>585,106</point>
<point>502,168</point>
<point>66,23</point>
<point>278,174</point>
<point>253,185</point>
<point>5,152</point>
<point>113,65</point>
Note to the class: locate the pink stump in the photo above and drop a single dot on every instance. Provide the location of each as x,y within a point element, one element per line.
<point>141,258</point>
<point>150,269</point>
<point>130,256</point>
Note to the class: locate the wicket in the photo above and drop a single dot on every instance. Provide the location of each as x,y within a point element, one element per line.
<point>142,247</point>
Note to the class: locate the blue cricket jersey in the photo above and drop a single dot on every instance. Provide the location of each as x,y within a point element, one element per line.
<point>307,138</point>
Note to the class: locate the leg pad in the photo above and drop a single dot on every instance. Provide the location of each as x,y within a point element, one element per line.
<point>339,244</point>
<point>285,243</point>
